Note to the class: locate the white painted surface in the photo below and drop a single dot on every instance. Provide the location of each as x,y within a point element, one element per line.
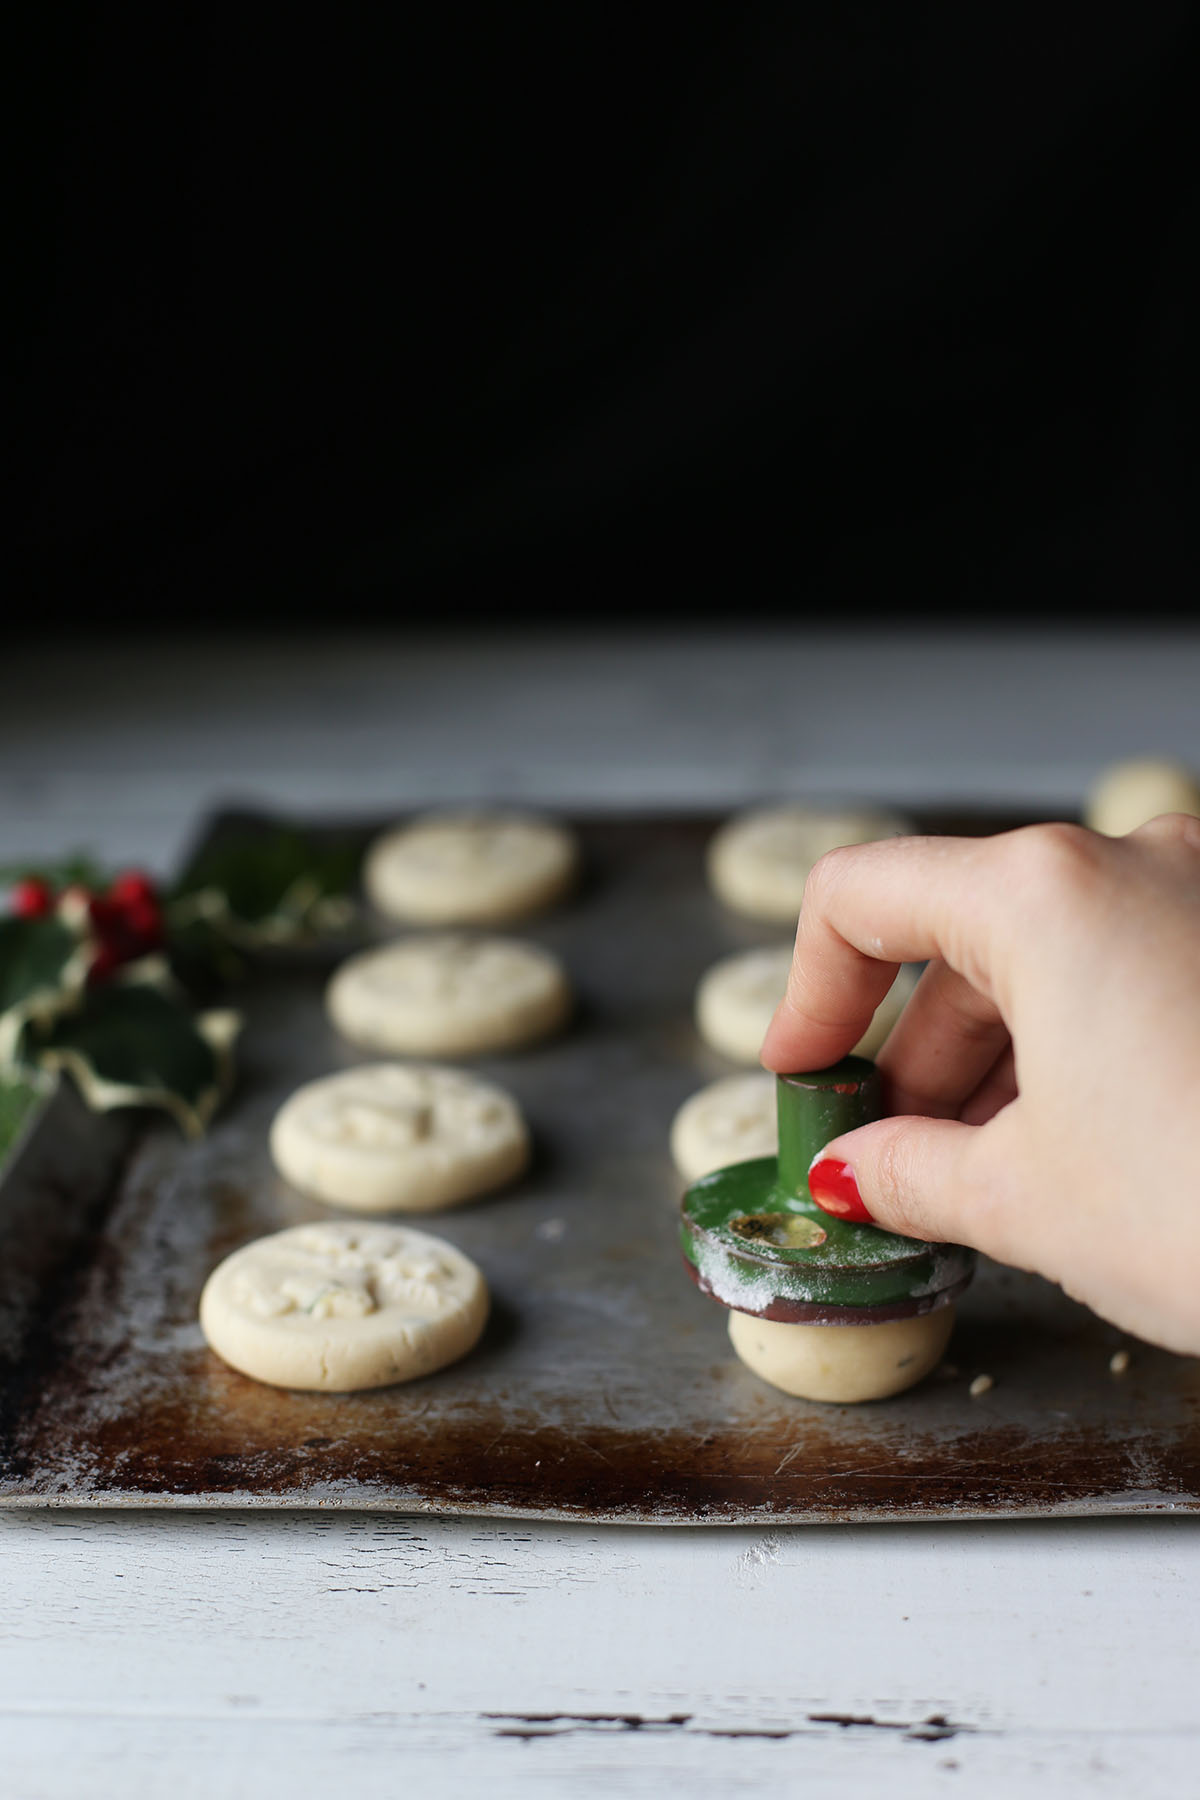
<point>132,745</point>
<point>143,1656</point>
<point>238,1655</point>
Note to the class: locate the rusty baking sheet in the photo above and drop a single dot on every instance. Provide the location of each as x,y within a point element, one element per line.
<point>604,1388</point>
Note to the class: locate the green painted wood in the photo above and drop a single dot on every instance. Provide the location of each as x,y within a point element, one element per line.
<point>814,1109</point>
<point>756,1241</point>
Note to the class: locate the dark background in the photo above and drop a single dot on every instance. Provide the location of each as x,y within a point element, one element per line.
<point>576,312</point>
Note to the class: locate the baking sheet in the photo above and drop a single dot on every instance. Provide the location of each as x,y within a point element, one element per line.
<point>604,1388</point>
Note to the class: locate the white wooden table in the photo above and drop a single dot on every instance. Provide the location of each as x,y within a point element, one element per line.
<point>228,1654</point>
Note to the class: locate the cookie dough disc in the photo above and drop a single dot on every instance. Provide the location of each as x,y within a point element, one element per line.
<point>887,1012</point>
<point>339,1306</point>
<point>448,995</point>
<point>729,1121</point>
<point>759,861</point>
<point>842,1363</point>
<point>736,1000</point>
<point>394,1137</point>
<point>469,868</point>
<point>1132,793</point>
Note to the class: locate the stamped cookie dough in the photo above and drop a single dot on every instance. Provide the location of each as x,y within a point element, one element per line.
<point>759,861</point>
<point>397,1137</point>
<point>336,1307</point>
<point>842,1363</point>
<point>736,999</point>
<point>1132,793</point>
<point>728,1121</point>
<point>470,868</point>
<point>449,995</point>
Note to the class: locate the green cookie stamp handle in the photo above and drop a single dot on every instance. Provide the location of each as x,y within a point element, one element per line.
<point>755,1240</point>
<point>814,1109</point>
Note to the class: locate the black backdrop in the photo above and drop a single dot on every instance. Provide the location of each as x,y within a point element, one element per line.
<point>583,311</point>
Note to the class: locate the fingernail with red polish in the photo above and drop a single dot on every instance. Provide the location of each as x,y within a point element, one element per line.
<point>832,1185</point>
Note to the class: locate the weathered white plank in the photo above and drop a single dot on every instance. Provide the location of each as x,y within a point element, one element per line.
<point>290,1644</point>
<point>380,1758</point>
<point>96,738</point>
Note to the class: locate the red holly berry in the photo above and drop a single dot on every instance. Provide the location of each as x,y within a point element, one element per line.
<point>143,922</point>
<point>132,887</point>
<point>33,898</point>
<point>106,919</point>
<point>103,963</point>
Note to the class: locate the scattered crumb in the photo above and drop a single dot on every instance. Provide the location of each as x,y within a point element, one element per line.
<point>982,1384</point>
<point>1119,1362</point>
<point>948,1372</point>
<point>550,1230</point>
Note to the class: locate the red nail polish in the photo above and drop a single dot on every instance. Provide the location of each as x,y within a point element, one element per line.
<point>832,1185</point>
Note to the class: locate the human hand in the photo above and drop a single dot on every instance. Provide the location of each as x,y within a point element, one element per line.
<point>1045,1075</point>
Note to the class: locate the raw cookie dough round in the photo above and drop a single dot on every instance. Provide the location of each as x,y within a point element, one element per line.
<point>448,995</point>
<point>736,1000</point>
<point>469,868</point>
<point>759,861</point>
<point>399,1137</point>
<point>1132,793</point>
<point>842,1363</point>
<point>729,1121</point>
<point>888,1011</point>
<point>339,1306</point>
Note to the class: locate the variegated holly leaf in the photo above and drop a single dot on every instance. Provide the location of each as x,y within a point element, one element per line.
<point>136,1045</point>
<point>256,887</point>
<point>19,1097</point>
<point>43,967</point>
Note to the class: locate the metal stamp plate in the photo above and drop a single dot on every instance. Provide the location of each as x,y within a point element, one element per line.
<point>604,1388</point>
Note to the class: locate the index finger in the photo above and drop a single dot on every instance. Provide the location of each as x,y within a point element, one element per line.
<point>867,908</point>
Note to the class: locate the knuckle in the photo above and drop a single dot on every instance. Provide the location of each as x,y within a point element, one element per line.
<point>898,1177</point>
<point>997,1217</point>
<point>973,1015</point>
<point>1175,828</point>
<point>892,1169</point>
<point>1055,860</point>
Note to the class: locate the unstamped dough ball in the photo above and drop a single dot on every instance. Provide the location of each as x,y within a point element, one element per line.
<point>399,1137</point>
<point>1132,793</point>
<point>842,1363</point>
<point>759,862</point>
<point>737,997</point>
<point>338,1306</point>
<point>449,995</point>
<point>729,1121</point>
<point>470,868</point>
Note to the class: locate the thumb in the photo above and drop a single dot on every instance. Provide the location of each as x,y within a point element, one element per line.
<point>910,1175</point>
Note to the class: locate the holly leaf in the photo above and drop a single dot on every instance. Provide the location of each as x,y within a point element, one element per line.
<point>19,1096</point>
<point>135,1045</point>
<point>257,887</point>
<point>35,955</point>
<point>43,966</point>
